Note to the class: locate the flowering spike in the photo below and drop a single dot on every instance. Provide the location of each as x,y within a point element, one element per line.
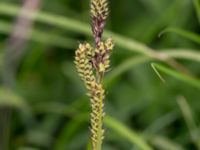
<point>99,14</point>
<point>92,63</point>
<point>99,9</point>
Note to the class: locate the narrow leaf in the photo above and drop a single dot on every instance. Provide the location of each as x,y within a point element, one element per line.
<point>186,34</point>
<point>127,133</point>
<point>189,119</point>
<point>182,77</point>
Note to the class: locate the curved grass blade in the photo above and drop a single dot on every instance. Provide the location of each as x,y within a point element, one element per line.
<point>197,8</point>
<point>193,55</point>
<point>158,74</point>
<point>41,36</point>
<point>165,144</point>
<point>189,35</point>
<point>182,77</point>
<point>161,123</point>
<point>189,119</point>
<point>127,133</point>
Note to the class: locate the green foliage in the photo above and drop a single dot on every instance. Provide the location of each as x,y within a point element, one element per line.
<point>186,78</point>
<point>127,133</point>
<point>49,109</point>
<point>186,34</point>
<point>189,119</point>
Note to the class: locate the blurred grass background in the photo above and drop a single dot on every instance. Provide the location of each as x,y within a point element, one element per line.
<point>49,108</point>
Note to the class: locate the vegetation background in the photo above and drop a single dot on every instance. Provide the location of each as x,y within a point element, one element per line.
<point>49,108</point>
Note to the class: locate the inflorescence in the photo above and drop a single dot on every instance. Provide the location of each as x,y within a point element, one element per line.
<point>92,63</point>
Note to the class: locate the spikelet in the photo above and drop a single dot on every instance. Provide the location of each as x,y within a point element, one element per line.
<point>82,60</point>
<point>99,9</point>
<point>99,13</point>
<point>102,53</point>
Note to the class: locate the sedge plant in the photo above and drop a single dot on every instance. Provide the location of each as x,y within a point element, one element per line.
<point>92,62</point>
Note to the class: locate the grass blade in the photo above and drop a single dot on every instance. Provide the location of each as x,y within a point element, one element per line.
<point>189,35</point>
<point>161,123</point>
<point>41,36</point>
<point>182,77</point>
<point>157,72</point>
<point>197,8</point>
<point>127,133</point>
<point>193,55</point>
<point>188,116</point>
<point>165,144</point>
